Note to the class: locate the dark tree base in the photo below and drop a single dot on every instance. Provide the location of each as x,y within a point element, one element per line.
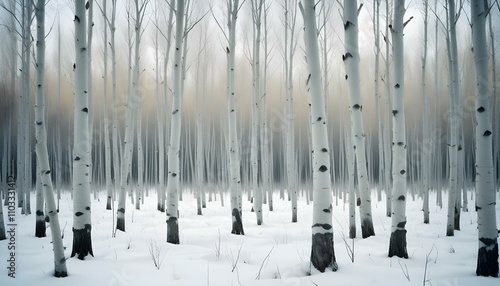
<point>108,204</point>
<point>82,242</point>
<point>237,223</point>
<point>172,230</point>
<point>40,229</point>
<point>487,261</point>
<point>120,224</point>
<point>456,218</point>
<point>397,244</point>
<point>199,211</point>
<point>352,232</point>
<point>367,229</point>
<point>322,253</point>
<point>60,274</point>
<point>294,216</point>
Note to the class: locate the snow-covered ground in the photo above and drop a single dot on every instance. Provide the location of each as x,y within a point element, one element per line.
<point>276,253</point>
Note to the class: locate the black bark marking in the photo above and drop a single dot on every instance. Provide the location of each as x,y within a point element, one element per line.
<point>358,202</point>
<point>487,241</point>
<point>87,208</point>
<point>87,5</point>
<point>323,168</point>
<point>47,172</point>
<point>487,133</point>
<point>402,224</point>
<point>346,77</point>
<point>325,226</point>
<point>357,106</point>
<point>347,24</point>
<point>39,123</point>
<point>308,78</point>
<point>85,109</point>
<point>459,147</point>
<point>174,175</point>
<point>74,66</point>
<point>77,19</point>
<point>401,143</point>
<point>346,56</point>
<point>39,213</point>
<point>480,109</point>
<point>401,198</point>
<point>78,213</point>
<point>121,210</point>
<point>175,111</point>
<point>394,112</point>
<point>324,150</point>
<point>326,210</point>
<point>397,85</point>
<point>402,172</point>
<point>319,119</point>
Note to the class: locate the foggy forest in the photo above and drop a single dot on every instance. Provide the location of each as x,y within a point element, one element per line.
<point>249,142</point>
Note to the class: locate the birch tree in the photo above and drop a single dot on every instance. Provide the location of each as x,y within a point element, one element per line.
<point>82,239</point>
<point>397,244</point>
<point>351,60</point>
<point>487,258</point>
<point>425,164</point>
<point>322,252</point>
<point>257,6</point>
<point>173,184</point>
<point>41,145</point>
<point>455,119</point>
<point>290,44</point>
<point>233,7</point>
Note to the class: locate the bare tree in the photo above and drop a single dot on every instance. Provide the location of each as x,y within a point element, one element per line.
<point>351,60</point>
<point>397,244</point>
<point>487,259</point>
<point>173,184</point>
<point>322,251</point>
<point>41,145</point>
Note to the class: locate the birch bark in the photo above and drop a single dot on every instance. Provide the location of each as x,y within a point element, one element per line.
<point>351,60</point>
<point>173,184</point>
<point>82,239</point>
<point>397,244</point>
<point>322,251</point>
<point>487,259</point>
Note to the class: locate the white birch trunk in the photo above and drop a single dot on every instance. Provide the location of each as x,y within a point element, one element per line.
<point>233,144</point>
<point>397,244</point>
<point>425,164</point>
<point>82,240</point>
<point>455,121</point>
<point>116,150</point>
<point>256,96</point>
<point>322,252</point>
<point>387,151</point>
<point>376,32</point>
<point>107,146</point>
<point>40,229</point>
<point>173,184</point>
<point>351,59</point>
<point>487,259</point>
<point>289,47</point>
<point>41,145</point>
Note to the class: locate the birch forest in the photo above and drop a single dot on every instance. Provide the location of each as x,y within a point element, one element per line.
<point>249,142</point>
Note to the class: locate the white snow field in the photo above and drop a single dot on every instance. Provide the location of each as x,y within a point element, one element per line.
<point>276,253</point>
